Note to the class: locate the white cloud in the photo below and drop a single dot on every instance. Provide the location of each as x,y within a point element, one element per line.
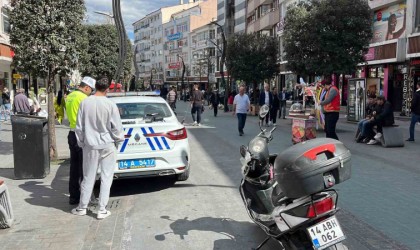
<point>132,10</point>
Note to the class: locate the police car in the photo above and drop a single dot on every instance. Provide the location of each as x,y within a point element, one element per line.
<point>156,143</point>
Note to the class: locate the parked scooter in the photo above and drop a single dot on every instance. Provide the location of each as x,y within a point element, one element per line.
<point>290,195</point>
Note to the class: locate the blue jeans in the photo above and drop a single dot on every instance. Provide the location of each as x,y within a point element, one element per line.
<point>5,111</point>
<point>361,125</point>
<point>414,119</point>
<point>241,122</point>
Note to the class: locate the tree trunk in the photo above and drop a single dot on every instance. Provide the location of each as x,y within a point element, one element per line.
<point>51,119</point>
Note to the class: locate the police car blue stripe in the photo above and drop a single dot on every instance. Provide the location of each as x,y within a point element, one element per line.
<point>126,141</point>
<point>165,142</point>
<point>156,139</point>
<point>148,140</point>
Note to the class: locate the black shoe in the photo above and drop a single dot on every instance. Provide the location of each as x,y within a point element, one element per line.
<point>360,138</point>
<point>409,139</point>
<point>366,140</point>
<point>73,201</point>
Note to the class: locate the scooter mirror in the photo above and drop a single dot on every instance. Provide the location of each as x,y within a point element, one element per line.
<point>264,111</point>
<point>243,150</point>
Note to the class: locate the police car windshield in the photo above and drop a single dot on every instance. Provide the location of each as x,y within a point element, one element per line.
<point>140,110</point>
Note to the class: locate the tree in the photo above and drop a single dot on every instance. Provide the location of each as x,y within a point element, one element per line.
<point>44,38</point>
<point>252,58</point>
<point>100,49</point>
<point>319,41</point>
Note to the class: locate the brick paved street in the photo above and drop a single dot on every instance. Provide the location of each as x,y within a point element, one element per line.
<point>379,204</point>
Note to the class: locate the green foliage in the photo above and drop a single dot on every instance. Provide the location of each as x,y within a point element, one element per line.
<point>319,39</point>
<point>251,57</point>
<point>44,35</point>
<point>99,46</point>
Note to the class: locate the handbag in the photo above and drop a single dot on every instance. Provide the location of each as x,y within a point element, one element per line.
<point>202,108</point>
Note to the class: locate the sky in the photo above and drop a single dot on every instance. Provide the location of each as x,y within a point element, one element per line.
<point>132,10</point>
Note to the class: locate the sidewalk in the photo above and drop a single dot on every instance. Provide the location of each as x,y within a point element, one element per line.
<point>42,212</point>
<point>41,208</point>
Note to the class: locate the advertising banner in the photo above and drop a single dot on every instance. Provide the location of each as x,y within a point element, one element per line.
<point>389,23</point>
<point>303,130</point>
<point>356,99</point>
<point>176,65</point>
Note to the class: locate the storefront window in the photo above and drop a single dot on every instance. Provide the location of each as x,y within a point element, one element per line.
<point>372,72</point>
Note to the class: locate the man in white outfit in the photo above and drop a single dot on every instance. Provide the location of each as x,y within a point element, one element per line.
<point>98,131</point>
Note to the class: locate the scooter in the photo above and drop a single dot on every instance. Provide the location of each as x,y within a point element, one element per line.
<point>290,196</point>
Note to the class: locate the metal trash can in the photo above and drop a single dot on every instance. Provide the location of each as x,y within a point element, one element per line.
<point>6,212</point>
<point>30,147</point>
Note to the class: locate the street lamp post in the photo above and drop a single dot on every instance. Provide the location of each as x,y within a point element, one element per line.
<point>122,44</point>
<point>222,64</point>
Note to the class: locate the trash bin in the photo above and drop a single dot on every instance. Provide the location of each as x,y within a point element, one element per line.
<point>6,212</point>
<point>30,147</point>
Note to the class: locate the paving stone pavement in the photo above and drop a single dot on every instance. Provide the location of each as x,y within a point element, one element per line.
<point>43,219</point>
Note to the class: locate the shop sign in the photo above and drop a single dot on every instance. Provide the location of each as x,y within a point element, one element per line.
<point>356,101</point>
<point>175,51</point>
<point>388,23</point>
<point>408,87</point>
<point>415,62</point>
<point>17,76</point>
<point>174,37</point>
<point>176,65</point>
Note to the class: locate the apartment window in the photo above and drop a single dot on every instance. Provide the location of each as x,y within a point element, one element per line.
<point>212,52</point>
<point>6,22</point>
<point>212,34</point>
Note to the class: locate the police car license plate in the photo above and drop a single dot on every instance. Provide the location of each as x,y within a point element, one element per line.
<point>136,163</point>
<point>326,233</point>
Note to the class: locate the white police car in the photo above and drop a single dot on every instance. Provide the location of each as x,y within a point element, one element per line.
<point>156,143</point>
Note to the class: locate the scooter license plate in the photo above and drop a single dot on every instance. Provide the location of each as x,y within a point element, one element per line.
<point>326,233</point>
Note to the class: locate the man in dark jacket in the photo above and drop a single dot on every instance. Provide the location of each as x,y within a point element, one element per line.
<point>415,112</point>
<point>215,100</point>
<point>275,107</point>
<point>266,97</point>
<point>382,116</point>
<point>283,97</point>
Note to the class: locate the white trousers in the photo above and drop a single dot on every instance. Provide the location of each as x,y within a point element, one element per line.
<point>92,160</point>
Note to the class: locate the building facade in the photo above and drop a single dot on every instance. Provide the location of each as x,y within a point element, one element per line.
<point>180,35</point>
<point>392,63</point>
<point>149,43</point>
<point>6,52</point>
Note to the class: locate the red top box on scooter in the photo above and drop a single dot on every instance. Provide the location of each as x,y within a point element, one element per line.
<point>312,166</point>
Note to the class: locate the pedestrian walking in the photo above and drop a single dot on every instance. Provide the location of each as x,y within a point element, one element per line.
<point>21,103</point>
<point>241,106</point>
<point>197,102</point>
<point>266,98</point>
<point>59,105</point>
<point>215,100</point>
<point>275,107</point>
<point>171,97</point>
<point>331,108</point>
<point>99,131</point>
<point>73,101</point>
<point>5,96</point>
<point>283,96</point>
<point>415,112</point>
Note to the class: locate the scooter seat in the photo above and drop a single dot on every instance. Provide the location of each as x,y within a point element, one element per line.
<point>277,196</point>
